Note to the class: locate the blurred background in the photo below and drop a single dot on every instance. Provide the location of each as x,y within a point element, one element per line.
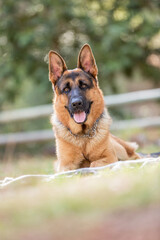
<point>125,39</point>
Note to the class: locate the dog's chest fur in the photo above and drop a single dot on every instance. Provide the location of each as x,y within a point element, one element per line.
<point>85,143</point>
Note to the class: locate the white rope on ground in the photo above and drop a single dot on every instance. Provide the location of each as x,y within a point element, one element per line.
<point>129,164</point>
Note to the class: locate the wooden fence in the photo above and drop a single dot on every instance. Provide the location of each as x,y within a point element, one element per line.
<point>46,110</point>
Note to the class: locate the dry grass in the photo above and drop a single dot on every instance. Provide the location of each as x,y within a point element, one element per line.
<point>67,208</point>
<point>32,205</point>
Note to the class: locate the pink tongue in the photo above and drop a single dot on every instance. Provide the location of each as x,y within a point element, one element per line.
<point>79,117</point>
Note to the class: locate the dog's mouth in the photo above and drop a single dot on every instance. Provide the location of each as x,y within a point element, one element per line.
<point>80,117</point>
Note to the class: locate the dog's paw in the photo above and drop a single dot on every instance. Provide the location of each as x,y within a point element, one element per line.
<point>134,145</point>
<point>96,164</point>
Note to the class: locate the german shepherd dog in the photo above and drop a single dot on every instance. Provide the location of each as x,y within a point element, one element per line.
<point>81,121</point>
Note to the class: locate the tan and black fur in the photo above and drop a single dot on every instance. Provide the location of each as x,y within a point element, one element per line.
<point>88,143</point>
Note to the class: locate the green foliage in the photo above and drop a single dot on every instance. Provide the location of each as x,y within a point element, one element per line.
<point>122,34</point>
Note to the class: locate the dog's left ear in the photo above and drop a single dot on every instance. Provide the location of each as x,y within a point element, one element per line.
<point>86,61</point>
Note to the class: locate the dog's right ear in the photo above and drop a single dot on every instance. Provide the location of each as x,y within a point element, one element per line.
<point>56,66</point>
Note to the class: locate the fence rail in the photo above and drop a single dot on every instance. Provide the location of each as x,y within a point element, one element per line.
<point>46,110</point>
<point>46,135</point>
<point>110,101</point>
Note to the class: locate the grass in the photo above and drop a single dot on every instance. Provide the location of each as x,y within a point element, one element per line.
<point>37,207</point>
<point>24,166</point>
<point>35,204</point>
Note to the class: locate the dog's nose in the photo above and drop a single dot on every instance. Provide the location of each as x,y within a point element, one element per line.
<point>77,103</point>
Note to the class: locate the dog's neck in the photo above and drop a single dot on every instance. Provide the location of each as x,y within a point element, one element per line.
<point>100,127</point>
<point>90,133</point>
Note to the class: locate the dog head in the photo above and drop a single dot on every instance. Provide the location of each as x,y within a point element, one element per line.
<point>78,99</point>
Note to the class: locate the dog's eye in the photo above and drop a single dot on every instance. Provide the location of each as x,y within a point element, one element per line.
<point>66,89</point>
<point>83,85</point>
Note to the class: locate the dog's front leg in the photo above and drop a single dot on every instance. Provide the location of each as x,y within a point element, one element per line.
<point>67,164</point>
<point>69,156</point>
<point>110,157</point>
<point>102,162</point>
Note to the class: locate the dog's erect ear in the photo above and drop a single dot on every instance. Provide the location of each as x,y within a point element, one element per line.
<point>56,66</point>
<point>86,60</point>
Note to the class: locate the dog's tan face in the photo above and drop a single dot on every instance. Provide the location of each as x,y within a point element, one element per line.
<point>78,99</point>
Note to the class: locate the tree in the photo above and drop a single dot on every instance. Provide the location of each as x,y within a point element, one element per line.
<point>123,35</point>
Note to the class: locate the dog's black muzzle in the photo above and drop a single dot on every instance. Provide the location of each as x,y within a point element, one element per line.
<point>78,102</point>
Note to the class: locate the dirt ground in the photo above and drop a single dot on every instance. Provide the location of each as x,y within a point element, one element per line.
<point>138,224</point>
